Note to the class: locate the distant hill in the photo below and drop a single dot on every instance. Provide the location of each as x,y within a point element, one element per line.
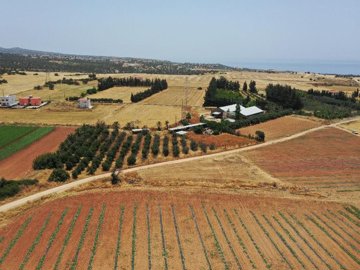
<point>23,59</point>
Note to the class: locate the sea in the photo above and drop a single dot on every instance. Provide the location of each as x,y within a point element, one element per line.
<point>324,67</point>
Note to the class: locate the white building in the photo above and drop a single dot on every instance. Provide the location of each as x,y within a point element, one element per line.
<point>229,111</point>
<point>84,103</point>
<point>8,101</point>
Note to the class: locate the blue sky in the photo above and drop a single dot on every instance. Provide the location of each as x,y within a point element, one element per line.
<point>226,31</point>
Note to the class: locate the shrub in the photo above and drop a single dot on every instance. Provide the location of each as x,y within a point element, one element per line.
<point>203,147</point>
<point>59,175</point>
<point>260,136</point>
<point>193,146</point>
<point>115,179</point>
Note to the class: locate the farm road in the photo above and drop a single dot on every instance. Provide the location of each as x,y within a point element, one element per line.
<point>74,184</point>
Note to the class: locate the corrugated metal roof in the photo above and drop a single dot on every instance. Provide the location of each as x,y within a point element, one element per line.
<point>244,111</point>
<point>185,127</point>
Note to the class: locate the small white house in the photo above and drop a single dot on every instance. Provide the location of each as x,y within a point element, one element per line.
<point>229,111</point>
<point>8,101</point>
<point>84,103</point>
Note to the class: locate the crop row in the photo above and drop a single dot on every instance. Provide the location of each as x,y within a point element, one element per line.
<point>200,236</point>
<point>106,165</point>
<point>343,221</point>
<point>97,235</point>
<point>178,238</point>
<point>283,240</point>
<point>316,240</point>
<point>227,239</point>
<point>118,241</point>
<point>82,239</point>
<point>133,241</point>
<point>351,219</point>
<point>271,240</point>
<point>35,242</point>
<point>240,241</point>
<point>352,256</point>
<point>163,241</point>
<point>134,150</point>
<point>268,265</point>
<point>216,240</point>
<point>67,238</point>
<point>295,242</point>
<point>148,235</point>
<point>52,239</point>
<point>13,241</point>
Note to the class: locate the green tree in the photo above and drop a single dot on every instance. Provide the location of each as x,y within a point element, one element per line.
<point>237,112</point>
<point>252,87</point>
<point>58,175</point>
<point>260,136</point>
<point>245,86</point>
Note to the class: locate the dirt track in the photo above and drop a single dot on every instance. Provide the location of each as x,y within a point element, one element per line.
<point>71,185</point>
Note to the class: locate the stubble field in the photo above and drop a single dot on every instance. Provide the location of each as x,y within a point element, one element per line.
<point>154,230</point>
<point>281,127</point>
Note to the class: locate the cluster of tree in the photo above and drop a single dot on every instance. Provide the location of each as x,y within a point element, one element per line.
<point>185,148</point>
<point>165,146</point>
<point>336,95</point>
<point>156,145</point>
<point>110,156</point>
<point>106,100</point>
<point>284,95</point>
<point>59,175</point>
<point>158,86</point>
<point>9,188</point>
<point>125,148</point>
<point>175,146</point>
<point>332,112</point>
<point>222,92</point>
<point>62,81</point>
<point>91,91</point>
<point>78,149</point>
<point>146,146</point>
<point>135,149</point>
<point>109,82</point>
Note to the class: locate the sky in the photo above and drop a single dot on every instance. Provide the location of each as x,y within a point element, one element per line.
<point>207,31</point>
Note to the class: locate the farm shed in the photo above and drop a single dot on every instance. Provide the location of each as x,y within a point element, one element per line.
<point>229,111</point>
<point>84,103</point>
<point>8,101</point>
<point>187,127</point>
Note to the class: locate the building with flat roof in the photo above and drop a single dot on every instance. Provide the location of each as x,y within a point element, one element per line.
<point>229,111</point>
<point>84,103</point>
<point>8,101</point>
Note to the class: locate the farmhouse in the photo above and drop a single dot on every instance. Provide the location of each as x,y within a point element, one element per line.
<point>85,103</point>
<point>229,111</point>
<point>8,101</point>
<point>30,101</point>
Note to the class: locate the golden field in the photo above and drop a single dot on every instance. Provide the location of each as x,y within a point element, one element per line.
<point>164,106</point>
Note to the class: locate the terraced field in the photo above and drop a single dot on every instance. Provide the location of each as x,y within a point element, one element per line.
<point>155,230</point>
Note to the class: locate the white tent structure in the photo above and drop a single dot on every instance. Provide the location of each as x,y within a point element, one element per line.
<point>229,111</point>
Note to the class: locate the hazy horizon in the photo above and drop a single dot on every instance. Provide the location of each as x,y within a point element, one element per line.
<point>188,31</point>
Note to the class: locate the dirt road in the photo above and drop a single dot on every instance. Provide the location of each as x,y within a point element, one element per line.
<point>71,185</point>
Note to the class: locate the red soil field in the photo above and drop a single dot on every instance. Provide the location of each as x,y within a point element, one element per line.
<point>325,154</point>
<point>20,164</point>
<point>281,127</point>
<point>193,231</point>
<point>221,140</point>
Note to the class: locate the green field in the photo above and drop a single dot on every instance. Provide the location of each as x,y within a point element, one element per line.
<point>15,138</point>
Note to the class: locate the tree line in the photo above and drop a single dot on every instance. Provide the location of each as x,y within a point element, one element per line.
<point>157,86</point>
<point>109,82</point>
<point>284,95</point>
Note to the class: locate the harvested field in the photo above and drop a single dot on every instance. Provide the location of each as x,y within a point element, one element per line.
<point>224,171</point>
<point>20,83</point>
<point>19,165</point>
<point>123,93</point>
<point>177,96</point>
<point>328,158</point>
<point>142,230</point>
<point>223,140</point>
<point>60,92</point>
<point>281,127</point>
<point>352,126</point>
